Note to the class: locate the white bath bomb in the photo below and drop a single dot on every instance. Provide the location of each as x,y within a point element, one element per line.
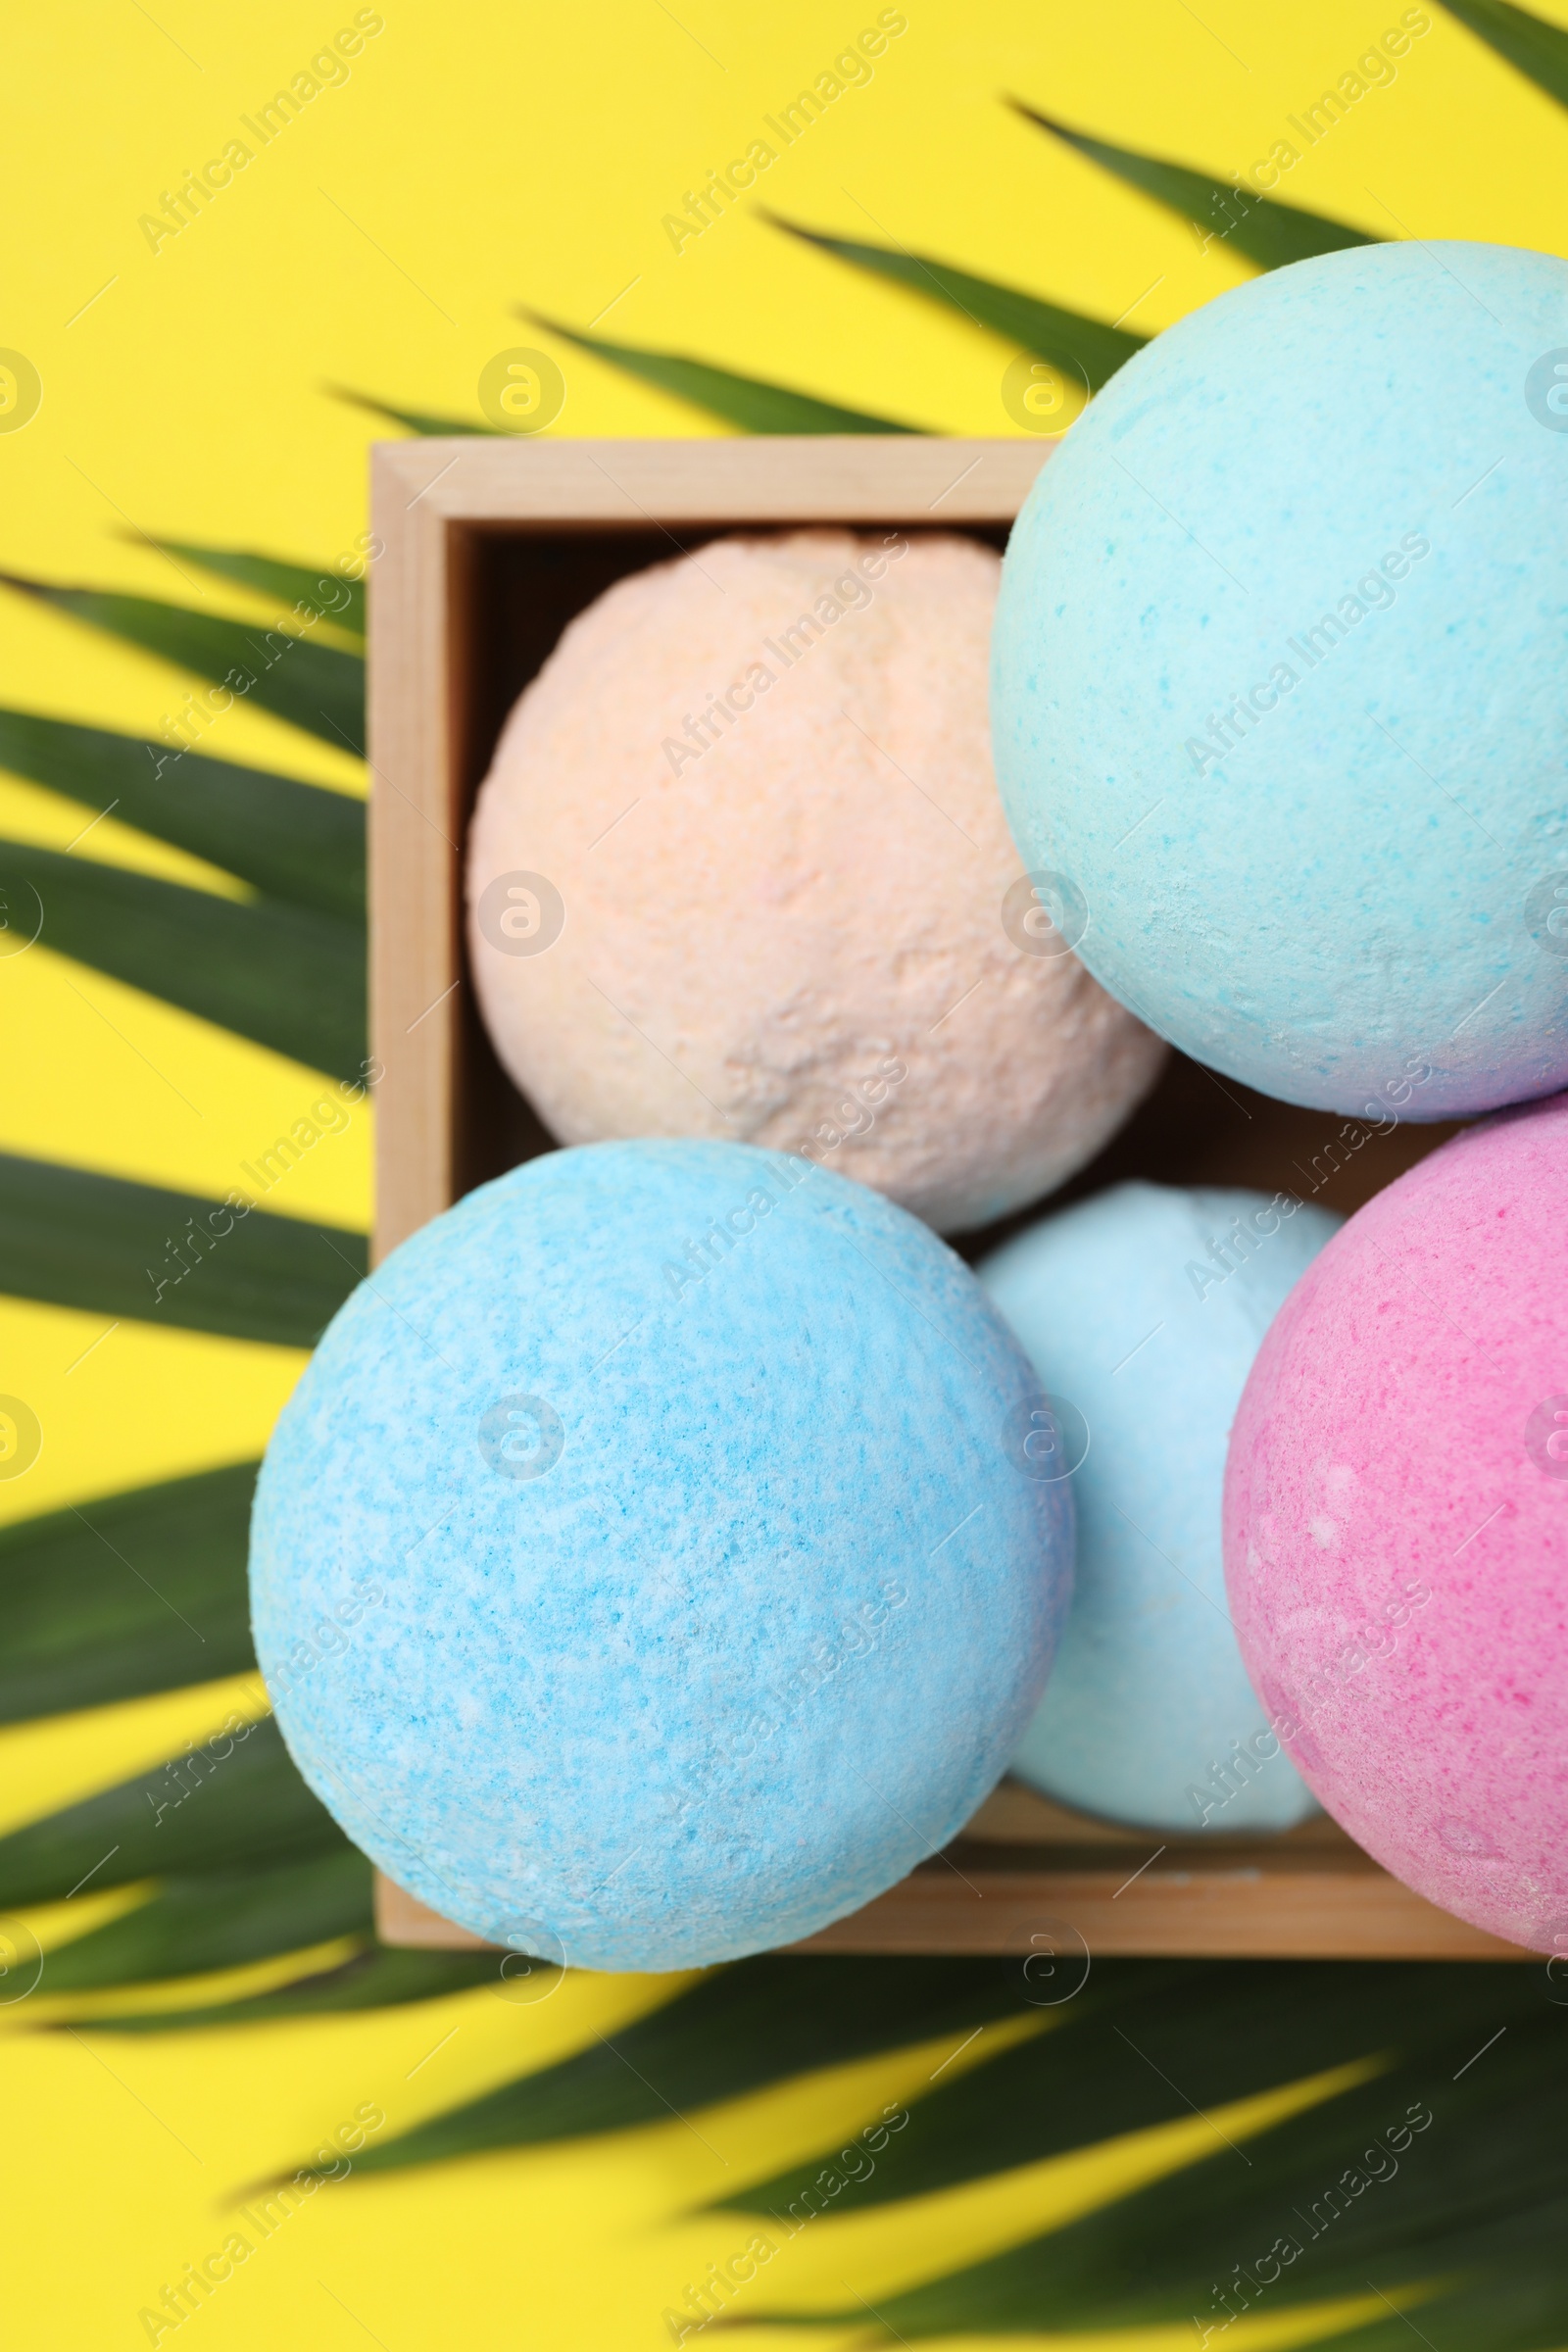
<point>740,869</point>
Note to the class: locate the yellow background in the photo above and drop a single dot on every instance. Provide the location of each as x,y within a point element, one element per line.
<point>478,158</point>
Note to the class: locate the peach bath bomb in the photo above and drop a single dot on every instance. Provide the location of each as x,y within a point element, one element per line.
<point>707,1599</point>
<point>739,869</point>
<point>1279,681</point>
<point>1141,1310</point>
<point>1396,1526</point>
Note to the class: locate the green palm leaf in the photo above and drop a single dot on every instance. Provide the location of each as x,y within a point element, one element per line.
<point>1501,2285</point>
<point>375,1979</point>
<point>336,599</point>
<point>236,1802</point>
<point>1155,2256</point>
<point>129,1593</point>
<point>416,421</point>
<point>743,399</point>
<point>1487,2150</point>
<point>1067,338</point>
<point>289,840</point>
<point>1535,48</point>
<point>284,976</point>
<point>315,687</point>
<point>734,2030</point>
<point>1512,2295</point>
<point>1268,232</point>
<point>77,1239</point>
<point>223,1919</point>
<point>1211,2026</point>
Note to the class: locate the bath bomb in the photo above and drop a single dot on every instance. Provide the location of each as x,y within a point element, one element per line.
<point>1141,1310</point>
<point>692,1593</point>
<point>1279,688</point>
<point>740,869</point>
<point>1396,1526</point>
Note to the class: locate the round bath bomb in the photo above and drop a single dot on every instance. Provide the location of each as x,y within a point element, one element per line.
<point>1279,688</point>
<point>740,869</point>
<point>1141,1310</point>
<point>693,1593</point>
<point>1396,1526</point>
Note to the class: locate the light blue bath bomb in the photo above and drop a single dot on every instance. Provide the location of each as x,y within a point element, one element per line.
<point>1279,703</point>
<point>640,1571</point>
<point>1142,1308</point>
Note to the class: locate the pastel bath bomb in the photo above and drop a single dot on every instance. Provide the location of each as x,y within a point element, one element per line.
<point>740,869</point>
<point>1279,688</point>
<point>1396,1526</point>
<point>1141,1310</point>
<point>694,1597</point>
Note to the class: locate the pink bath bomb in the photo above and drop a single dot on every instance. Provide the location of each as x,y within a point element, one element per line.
<point>740,869</point>
<point>1396,1526</point>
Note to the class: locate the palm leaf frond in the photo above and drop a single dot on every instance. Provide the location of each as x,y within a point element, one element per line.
<point>1155,2256</point>
<point>1266,231</point>
<point>375,1979</point>
<point>1511,2293</point>
<point>338,601</point>
<point>416,421</point>
<point>1358,2183</point>
<point>1146,2051</point>
<point>742,400</point>
<point>220,1919</point>
<point>291,841</point>
<point>128,1593</point>
<point>734,2030</point>
<point>1532,46</point>
<point>233,1802</point>
<point>1067,338</point>
<point>315,687</point>
<point>286,976</point>
<point>77,1239</point>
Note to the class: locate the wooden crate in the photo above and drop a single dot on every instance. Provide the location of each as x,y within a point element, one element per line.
<point>490,547</point>
<point>1029,1877</point>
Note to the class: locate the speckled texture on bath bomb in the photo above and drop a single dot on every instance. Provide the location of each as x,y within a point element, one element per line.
<point>1396,1526</point>
<point>736,1618</point>
<point>1354,904</point>
<point>1125,1304</point>
<point>795,930</point>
